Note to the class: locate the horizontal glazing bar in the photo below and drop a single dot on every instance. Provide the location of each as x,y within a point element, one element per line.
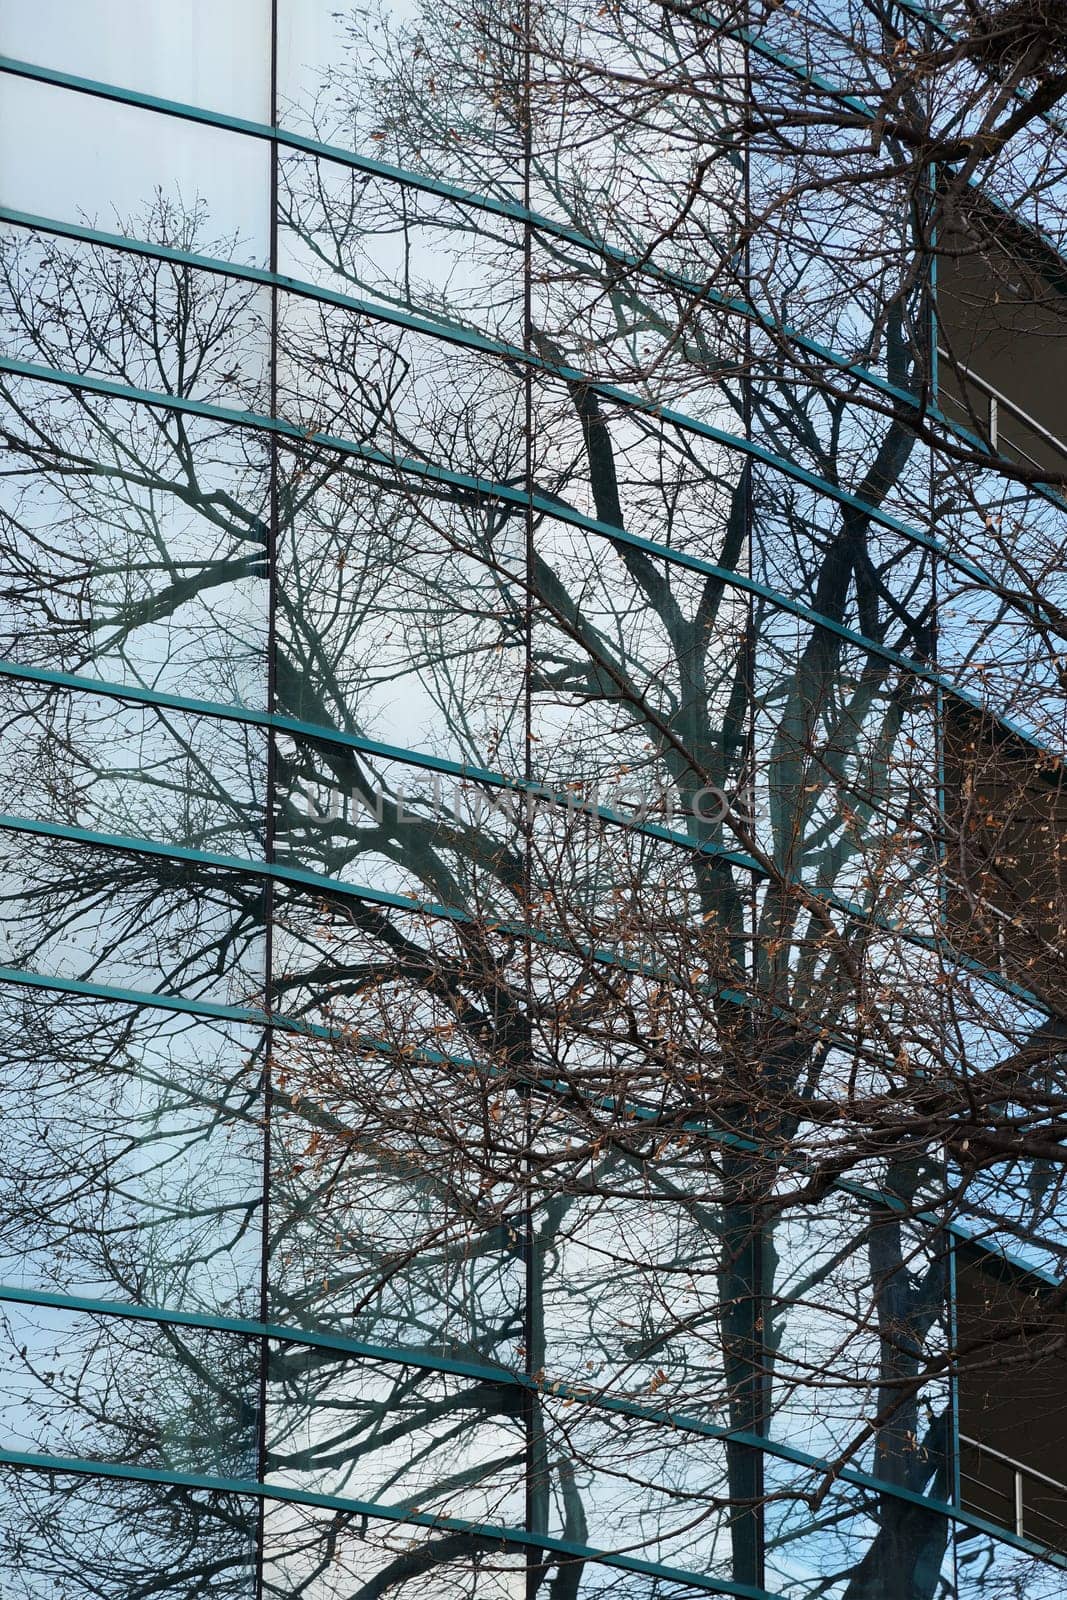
<point>439,764</point>
<point>430,1361</point>
<point>749,37</point>
<point>487,489</point>
<point>466,772</point>
<point>387,752</point>
<point>510,209</point>
<point>133,997</point>
<point>298,876</point>
<point>155,1001</point>
<point>249,1328</point>
<point>397,1355</point>
<point>289,139</point>
<point>152,1000</point>
<point>454,334</point>
<point>837,91</point>
<point>363,893</point>
<point>253,1489</point>
<point>375,1509</point>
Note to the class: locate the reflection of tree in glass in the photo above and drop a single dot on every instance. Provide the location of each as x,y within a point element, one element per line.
<point>574,1133</point>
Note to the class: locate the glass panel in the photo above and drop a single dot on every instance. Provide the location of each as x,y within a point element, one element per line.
<point>591,1579</point>
<point>406,394</point>
<point>1018,1206</point>
<point>631,1287</point>
<point>383,1228</point>
<point>146,922</point>
<point>133,545</point>
<point>133,770</point>
<point>400,612</point>
<point>397,1436</point>
<point>439,91</point>
<point>201,52</point>
<point>333,1556</point>
<point>131,1161</point>
<point>994,647</point>
<point>444,839</point>
<point>378,239</point>
<point>621,1483</point>
<point>638,679</point>
<point>62,1537</point>
<point>147,324</point>
<point>842,1542</point>
<point>400,829</point>
<point>77,1386</point>
<point>986,1569</point>
<point>858,1312</point>
<point>73,169</point>
<point>410,84</point>
<point>642,330</point>
<point>309,1552</point>
<point>841,732</point>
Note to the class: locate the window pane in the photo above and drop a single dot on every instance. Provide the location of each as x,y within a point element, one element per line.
<point>63,1536</point>
<point>131,1160</point>
<point>133,545</point>
<point>199,51</point>
<point>113,166</point>
<point>79,1386</point>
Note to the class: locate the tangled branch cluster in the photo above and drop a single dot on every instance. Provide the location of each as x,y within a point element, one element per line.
<point>1027,33</point>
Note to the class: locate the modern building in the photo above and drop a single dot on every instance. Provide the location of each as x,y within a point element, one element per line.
<point>532,705</point>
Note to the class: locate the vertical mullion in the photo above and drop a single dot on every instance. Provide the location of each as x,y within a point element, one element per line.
<point>536,1486</point>
<point>269,798</point>
<point>759,1307</point>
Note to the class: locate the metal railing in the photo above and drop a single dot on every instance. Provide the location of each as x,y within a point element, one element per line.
<point>1030,1503</point>
<point>998,412</point>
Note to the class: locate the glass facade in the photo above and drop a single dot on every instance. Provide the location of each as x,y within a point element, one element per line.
<point>474,677</point>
